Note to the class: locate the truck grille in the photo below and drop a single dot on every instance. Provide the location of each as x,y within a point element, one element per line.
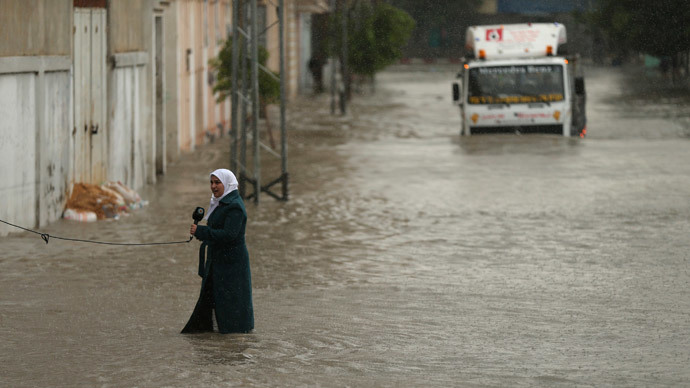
<point>555,129</point>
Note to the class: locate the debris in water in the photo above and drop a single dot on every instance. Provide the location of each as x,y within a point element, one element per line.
<point>90,202</point>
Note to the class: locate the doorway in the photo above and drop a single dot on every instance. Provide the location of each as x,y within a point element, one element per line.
<point>89,62</point>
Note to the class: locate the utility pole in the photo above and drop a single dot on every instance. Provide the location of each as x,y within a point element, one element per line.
<point>345,75</point>
<point>254,39</point>
<point>245,95</point>
<point>234,97</point>
<point>283,99</point>
<point>333,59</point>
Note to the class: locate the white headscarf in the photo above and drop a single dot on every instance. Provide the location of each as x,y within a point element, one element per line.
<point>227,178</point>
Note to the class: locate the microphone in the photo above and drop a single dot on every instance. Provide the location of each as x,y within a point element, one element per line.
<point>198,215</point>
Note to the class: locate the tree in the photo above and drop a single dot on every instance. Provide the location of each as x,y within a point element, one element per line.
<point>658,28</point>
<point>438,12</point>
<point>269,86</point>
<point>376,35</point>
<point>441,25</point>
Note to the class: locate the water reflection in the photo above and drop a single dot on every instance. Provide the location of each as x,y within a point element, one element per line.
<point>532,144</point>
<point>214,349</point>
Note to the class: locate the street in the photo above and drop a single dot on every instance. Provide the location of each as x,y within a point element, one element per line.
<point>406,256</point>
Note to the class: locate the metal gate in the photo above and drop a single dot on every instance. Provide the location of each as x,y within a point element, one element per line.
<point>89,132</point>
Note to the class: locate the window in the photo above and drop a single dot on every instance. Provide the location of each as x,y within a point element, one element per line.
<point>515,84</point>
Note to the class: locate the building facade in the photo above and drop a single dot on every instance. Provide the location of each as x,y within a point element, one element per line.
<point>113,90</point>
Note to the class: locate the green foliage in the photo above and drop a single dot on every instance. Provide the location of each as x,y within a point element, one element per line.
<point>657,27</point>
<point>269,87</point>
<point>438,12</point>
<point>392,29</point>
<point>376,35</point>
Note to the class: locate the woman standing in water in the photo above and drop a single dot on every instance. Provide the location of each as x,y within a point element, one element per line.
<point>226,285</point>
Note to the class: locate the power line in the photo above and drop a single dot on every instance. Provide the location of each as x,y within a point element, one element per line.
<point>46,237</point>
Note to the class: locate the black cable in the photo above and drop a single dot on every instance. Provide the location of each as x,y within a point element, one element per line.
<point>46,237</point>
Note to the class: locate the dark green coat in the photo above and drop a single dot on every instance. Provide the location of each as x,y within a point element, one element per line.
<point>226,278</point>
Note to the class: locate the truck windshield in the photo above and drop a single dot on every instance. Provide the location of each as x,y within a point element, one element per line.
<point>520,84</point>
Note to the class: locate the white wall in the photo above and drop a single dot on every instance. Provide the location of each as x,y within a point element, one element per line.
<point>171,98</point>
<point>35,130</point>
<point>127,141</point>
<point>18,150</point>
<point>55,147</point>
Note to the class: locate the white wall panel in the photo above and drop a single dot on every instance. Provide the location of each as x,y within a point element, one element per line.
<point>17,150</point>
<point>127,140</point>
<point>55,138</point>
<point>120,133</point>
<point>140,136</point>
<point>82,96</point>
<point>97,120</point>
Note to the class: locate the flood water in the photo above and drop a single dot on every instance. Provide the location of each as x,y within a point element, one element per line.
<point>406,256</point>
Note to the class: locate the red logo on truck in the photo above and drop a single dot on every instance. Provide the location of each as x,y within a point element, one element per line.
<point>494,35</point>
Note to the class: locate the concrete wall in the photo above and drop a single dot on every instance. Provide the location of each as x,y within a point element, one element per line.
<point>18,148</point>
<point>131,102</point>
<point>297,42</point>
<point>198,71</point>
<point>201,29</point>
<point>128,25</point>
<point>185,60</point>
<point>217,114</point>
<point>36,110</point>
<point>36,27</point>
<point>172,79</point>
<point>126,141</point>
<point>292,44</point>
<point>148,108</point>
<point>273,38</point>
<point>34,139</point>
<point>54,156</point>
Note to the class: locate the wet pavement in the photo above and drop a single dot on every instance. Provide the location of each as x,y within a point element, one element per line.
<point>406,256</point>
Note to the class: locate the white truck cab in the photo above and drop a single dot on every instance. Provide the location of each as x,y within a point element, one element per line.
<point>515,78</point>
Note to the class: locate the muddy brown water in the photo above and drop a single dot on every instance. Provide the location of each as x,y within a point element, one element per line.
<point>406,256</point>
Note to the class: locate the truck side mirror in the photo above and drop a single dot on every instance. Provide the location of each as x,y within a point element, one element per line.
<point>456,92</point>
<point>563,49</point>
<point>579,85</point>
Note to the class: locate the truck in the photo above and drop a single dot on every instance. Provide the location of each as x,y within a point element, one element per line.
<point>519,78</point>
